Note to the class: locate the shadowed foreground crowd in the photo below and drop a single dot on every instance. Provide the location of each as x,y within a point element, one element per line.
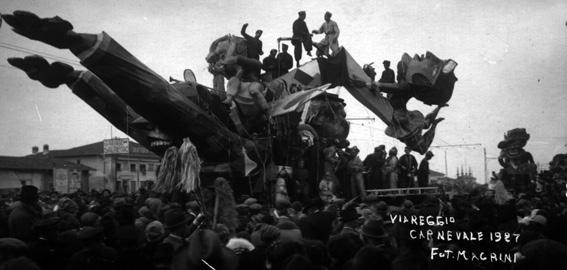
<point>148,231</point>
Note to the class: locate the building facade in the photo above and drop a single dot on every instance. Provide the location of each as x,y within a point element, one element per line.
<point>115,164</point>
<point>43,171</point>
<point>119,164</point>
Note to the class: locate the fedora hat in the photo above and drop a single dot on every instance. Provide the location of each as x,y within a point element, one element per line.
<point>174,218</point>
<point>373,229</point>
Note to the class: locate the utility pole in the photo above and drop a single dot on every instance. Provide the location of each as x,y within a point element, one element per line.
<point>485,166</point>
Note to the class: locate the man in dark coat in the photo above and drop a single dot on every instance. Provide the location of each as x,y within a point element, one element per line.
<point>95,254</point>
<point>270,65</point>
<point>25,214</point>
<point>423,171</point>
<point>388,75</point>
<point>318,224</point>
<point>300,36</point>
<point>253,47</point>
<point>374,163</point>
<point>408,168</point>
<point>285,61</point>
<point>254,44</point>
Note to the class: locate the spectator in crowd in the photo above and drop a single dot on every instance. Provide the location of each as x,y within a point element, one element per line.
<point>26,212</point>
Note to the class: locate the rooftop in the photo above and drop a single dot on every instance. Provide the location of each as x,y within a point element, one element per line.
<point>38,163</point>
<point>97,149</point>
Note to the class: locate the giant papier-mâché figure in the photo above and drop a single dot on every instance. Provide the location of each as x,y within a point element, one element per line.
<point>518,166</point>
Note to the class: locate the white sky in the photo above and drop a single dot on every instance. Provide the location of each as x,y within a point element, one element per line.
<point>511,57</point>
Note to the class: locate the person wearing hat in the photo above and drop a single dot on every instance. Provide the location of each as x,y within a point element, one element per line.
<point>350,219</point>
<point>408,169</point>
<point>390,169</point>
<point>423,170</point>
<point>95,254</point>
<point>25,214</point>
<point>285,61</point>
<point>270,65</point>
<point>388,75</point>
<point>373,233</point>
<point>300,36</point>
<point>289,231</point>
<point>176,223</point>
<point>90,219</point>
<point>373,164</point>
<point>331,31</point>
<point>253,44</point>
<point>253,51</point>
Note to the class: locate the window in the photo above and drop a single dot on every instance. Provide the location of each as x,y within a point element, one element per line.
<point>143,169</point>
<point>151,167</point>
<point>78,161</point>
<point>118,167</point>
<point>132,167</point>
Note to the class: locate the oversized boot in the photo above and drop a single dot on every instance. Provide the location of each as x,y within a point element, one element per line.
<point>38,69</point>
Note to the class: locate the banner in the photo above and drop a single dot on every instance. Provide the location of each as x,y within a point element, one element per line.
<point>116,146</point>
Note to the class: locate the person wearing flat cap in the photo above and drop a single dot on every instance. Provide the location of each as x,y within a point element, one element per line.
<point>95,254</point>
<point>176,223</point>
<point>373,164</point>
<point>284,60</point>
<point>373,233</point>
<point>388,75</point>
<point>300,36</point>
<point>25,214</point>
<point>350,219</point>
<point>423,170</point>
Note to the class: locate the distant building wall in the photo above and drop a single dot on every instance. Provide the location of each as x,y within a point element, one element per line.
<point>98,179</point>
<point>115,172</point>
<point>13,179</point>
<point>135,172</point>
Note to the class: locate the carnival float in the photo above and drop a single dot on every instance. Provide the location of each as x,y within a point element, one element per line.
<point>252,131</point>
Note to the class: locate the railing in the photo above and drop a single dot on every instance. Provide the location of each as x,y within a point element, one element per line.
<point>395,192</point>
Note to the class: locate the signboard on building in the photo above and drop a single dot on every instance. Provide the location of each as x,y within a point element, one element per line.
<point>65,181</point>
<point>116,146</point>
<point>60,180</point>
<point>74,181</point>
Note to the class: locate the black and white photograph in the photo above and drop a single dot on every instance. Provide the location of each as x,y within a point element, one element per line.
<point>283,135</point>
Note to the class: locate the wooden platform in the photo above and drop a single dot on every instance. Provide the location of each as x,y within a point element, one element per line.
<point>396,192</point>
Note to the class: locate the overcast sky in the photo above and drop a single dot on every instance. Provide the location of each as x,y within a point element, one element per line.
<point>511,71</point>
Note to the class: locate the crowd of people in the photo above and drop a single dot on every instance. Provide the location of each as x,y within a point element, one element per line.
<point>148,230</point>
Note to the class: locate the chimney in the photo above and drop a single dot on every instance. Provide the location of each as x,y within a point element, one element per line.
<point>45,149</point>
<point>34,150</point>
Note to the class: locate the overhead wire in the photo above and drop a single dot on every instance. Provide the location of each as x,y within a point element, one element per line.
<point>36,51</point>
<point>44,54</point>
